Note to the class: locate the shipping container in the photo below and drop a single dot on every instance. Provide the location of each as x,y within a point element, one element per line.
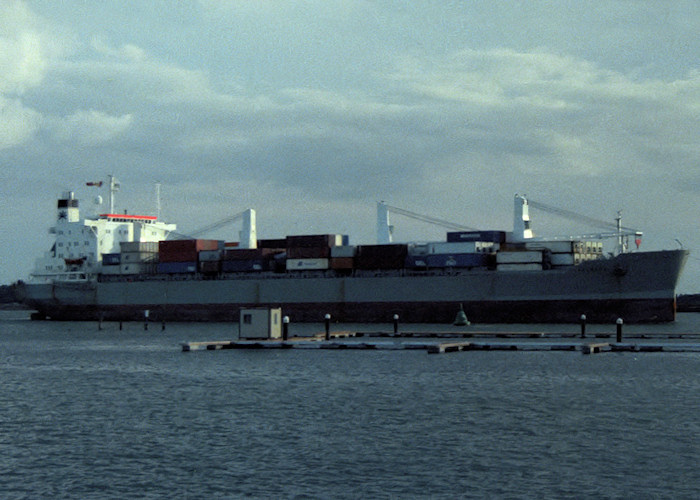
<point>461,247</point>
<point>381,256</point>
<point>240,266</point>
<point>519,267</point>
<point>134,257</point>
<point>343,251</point>
<point>278,243</point>
<point>112,270</point>
<point>139,246</point>
<point>561,259</point>
<point>463,260</point>
<point>554,246</point>
<point>418,249</point>
<point>492,236</point>
<point>524,257</point>
<point>342,263</point>
<point>416,262</point>
<point>314,240</point>
<point>583,257</point>
<point>210,255</point>
<point>308,252</point>
<point>136,268</point>
<point>111,259</point>
<point>177,267</point>
<point>210,266</point>
<point>307,264</point>
<point>178,248</point>
<point>243,254</point>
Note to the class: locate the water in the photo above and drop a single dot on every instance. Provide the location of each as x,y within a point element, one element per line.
<point>125,414</point>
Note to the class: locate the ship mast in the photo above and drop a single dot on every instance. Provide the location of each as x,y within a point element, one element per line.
<point>113,188</point>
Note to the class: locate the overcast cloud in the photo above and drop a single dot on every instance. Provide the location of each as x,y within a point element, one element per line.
<point>312,111</point>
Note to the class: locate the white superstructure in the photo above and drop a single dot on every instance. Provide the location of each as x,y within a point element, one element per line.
<point>80,243</point>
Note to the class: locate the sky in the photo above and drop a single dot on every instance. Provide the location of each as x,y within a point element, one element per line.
<point>312,111</point>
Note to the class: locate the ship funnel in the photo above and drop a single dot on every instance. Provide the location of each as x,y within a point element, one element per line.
<point>67,208</point>
<point>521,219</point>
<point>248,235</point>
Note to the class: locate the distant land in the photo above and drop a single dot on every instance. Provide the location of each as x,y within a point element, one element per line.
<point>685,303</point>
<point>7,298</point>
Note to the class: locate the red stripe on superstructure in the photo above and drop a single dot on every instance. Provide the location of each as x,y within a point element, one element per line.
<point>126,216</point>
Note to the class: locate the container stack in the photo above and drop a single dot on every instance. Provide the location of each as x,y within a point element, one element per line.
<point>380,257</point>
<point>483,236</point>
<point>587,250</point>
<point>343,258</point>
<point>519,260</point>
<point>138,257</point>
<point>262,258</point>
<point>564,253</point>
<point>182,256</point>
<point>311,252</point>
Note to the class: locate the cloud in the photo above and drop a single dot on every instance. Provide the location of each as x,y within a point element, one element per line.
<point>27,46</point>
<point>91,127</point>
<point>17,123</point>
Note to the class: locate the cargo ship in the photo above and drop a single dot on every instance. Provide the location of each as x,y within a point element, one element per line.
<point>126,267</point>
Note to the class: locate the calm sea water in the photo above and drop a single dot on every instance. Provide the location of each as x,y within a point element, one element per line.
<point>125,414</point>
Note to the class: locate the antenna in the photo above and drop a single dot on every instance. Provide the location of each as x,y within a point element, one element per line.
<point>158,199</point>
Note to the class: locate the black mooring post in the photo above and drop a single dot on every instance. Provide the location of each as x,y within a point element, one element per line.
<point>285,328</point>
<point>619,329</point>
<point>145,319</point>
<point>328,326</point>
<point>396,323</point>
<point>583,326</point>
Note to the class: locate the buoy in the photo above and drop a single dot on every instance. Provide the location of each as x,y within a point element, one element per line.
<point>461,318</point>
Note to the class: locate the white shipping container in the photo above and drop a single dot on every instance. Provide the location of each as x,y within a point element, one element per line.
<point>454,247</point>
<point>139,246</point>
<point>557,246</point>
<point>135,257</point>
<point>526,257</point>
<point>519,267</point>
<point>582,257</point>
<point>418,249</point>
<point>306,264</point>
<point>343,251</point>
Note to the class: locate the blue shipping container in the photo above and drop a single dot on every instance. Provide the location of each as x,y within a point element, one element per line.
<point>177,267</point>
<point>458,260</point>
<point>416,262</point>
<point>238,266</point>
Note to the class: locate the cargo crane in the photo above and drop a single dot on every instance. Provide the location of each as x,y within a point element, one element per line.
<point>385,229</point>
<point>247,235</point>
<point>614,230</point>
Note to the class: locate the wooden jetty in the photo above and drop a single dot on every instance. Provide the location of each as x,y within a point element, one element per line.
<point>433,347</point>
